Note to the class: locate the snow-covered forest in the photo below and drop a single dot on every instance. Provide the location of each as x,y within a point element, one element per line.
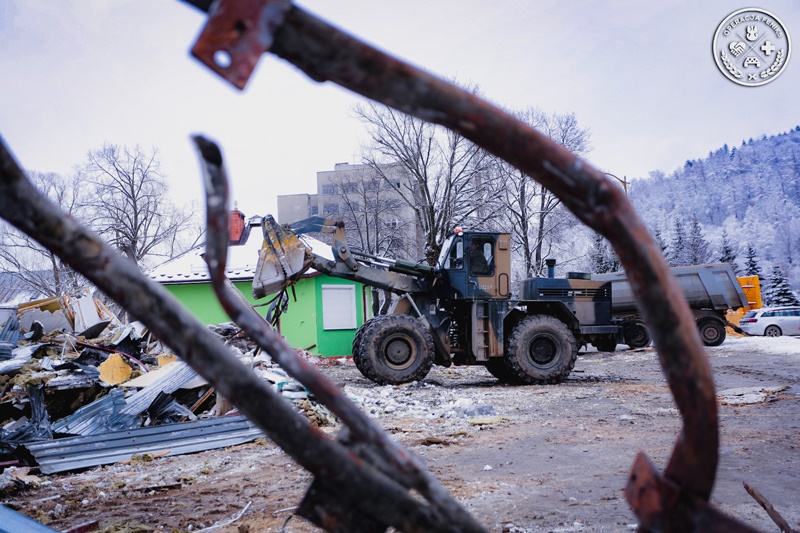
<point>742,201</point>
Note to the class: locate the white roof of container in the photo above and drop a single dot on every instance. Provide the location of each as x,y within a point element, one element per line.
<point>241,265</point>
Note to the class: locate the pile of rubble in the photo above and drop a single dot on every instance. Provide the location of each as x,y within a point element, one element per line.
<point>80,388</point>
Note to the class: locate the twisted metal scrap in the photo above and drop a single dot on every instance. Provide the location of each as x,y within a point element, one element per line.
<point>325,53</point>
<point>362,485</point>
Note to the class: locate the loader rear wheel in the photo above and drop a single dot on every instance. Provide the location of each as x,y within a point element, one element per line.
<point>356,351</point>
<point>635,334</point>
<point>541,350</point>
<point>498,367</point>
<point>712,332</point>
<point>396,349</point>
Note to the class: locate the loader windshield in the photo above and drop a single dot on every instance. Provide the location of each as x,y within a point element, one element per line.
<point>452,255</point>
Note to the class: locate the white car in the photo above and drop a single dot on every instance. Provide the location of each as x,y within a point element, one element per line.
<point>772,321</point>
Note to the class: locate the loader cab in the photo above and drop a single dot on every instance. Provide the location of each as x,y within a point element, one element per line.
<point>476,265</point>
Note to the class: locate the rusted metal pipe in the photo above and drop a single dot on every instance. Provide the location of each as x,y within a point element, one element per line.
<point>325,53</point>
<point>364,487</point>
<point>372,443</point>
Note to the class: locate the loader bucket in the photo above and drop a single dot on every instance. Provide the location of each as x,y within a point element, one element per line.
<point>282,259</point>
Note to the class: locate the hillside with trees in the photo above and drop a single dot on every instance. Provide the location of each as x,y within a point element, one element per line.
<point>740,204</point>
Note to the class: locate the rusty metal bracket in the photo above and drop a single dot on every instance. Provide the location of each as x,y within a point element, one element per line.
<point>237,33</point>
<point>664,506</point>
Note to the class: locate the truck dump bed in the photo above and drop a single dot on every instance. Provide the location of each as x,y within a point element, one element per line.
<point>711,286</point>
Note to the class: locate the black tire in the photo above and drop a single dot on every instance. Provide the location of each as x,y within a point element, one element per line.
<point>606,344</point>
<point>541,350</point>
<point>396,349</point>
<point>772,331</point>
<point>635,334</point>
<point>712,332</point>
<point>356,350</point>
<point>498,367</point>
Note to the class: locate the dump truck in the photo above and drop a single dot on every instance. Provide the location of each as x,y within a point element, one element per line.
<point>710,290</point>
<point>462,311</point>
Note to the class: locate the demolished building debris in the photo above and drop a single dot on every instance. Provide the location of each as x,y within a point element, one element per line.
<point>92,390</point>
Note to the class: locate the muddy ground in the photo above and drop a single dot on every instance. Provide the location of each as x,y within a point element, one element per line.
<point>549,458</point>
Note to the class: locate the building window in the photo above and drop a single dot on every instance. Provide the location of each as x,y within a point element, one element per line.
<point>330,209</point>
<point>330,188</point>
<point>314,210</point>
<point>339,307</point>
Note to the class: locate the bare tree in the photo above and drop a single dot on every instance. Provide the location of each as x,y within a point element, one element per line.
<point>373,213</point>
<point>377,223</point>
<point>534,214</point>
<point>444,176</point>
<point>40,269</point>
<point>129,204</point>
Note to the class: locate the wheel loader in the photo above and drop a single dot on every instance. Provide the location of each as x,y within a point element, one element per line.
<point>462,311</point>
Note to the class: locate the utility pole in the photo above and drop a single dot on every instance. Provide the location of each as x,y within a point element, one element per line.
<point>623,181</point>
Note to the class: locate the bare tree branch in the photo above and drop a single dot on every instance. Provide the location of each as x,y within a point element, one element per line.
<point>41,270</point>
<point>129,202</point>
<point>362,486</point>
<point>533,213</point>
<point>446,179</point>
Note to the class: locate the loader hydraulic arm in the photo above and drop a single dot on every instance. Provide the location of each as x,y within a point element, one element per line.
<point>374,277</point>
<point>284,257</point>
<point>341,252</point>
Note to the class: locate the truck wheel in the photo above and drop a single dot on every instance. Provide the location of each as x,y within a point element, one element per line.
<point>498,367</point>
<point>606,344</point>
<point>541,350</point>
<point>636,335</point>
<point>396,349</point>
<point>356,351</point>
<point>712,332</point>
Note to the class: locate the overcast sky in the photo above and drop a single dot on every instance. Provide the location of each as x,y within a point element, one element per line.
<point>640,75</point>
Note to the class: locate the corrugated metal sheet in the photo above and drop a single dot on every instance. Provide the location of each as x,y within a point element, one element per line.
<point>9,335</point>
<point>93,419</point>
<point>21,355</point>
<point>13,522</point>
<point>74,453</point>
<point>180,374</point>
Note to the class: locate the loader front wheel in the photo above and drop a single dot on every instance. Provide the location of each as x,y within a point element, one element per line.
<point>356,351</point>
<point>541,350</point>
<point>395,349</point>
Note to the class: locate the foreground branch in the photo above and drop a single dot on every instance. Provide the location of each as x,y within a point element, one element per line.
<point>773,514</point>
<point>370,440</point>
<point>358,484</point>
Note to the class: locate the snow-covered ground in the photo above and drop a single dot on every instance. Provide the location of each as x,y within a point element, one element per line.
<point>789,346</point>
